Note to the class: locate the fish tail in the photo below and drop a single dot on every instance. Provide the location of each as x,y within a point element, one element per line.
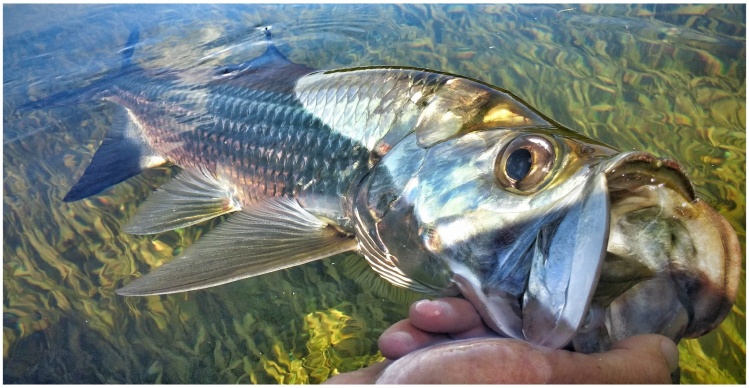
<point>124,152</point>
<point>93,90</point>
<point>129,49</point>
<point>64,98</point>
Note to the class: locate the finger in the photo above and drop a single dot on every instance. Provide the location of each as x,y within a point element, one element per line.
<point>366,375</point>
<point>474,361</point>
<point>640,359</point>
<point>647,358</point>
<point>402,338</point>
<point>446,315</point>
<point>432,322</point>
<point>475,332</point>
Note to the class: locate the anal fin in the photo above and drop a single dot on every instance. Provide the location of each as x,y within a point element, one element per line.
<point>124,153</point>
<point>272,235</point>
<point>195,195</point>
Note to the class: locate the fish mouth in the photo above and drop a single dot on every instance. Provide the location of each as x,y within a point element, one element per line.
<point>673,261</point>
<point>634,170</point>
<point>637,253</point>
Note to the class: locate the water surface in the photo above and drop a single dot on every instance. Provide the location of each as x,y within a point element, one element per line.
<point>669,79</point>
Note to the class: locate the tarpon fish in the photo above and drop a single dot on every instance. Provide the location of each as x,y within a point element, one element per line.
<point>444,184</point>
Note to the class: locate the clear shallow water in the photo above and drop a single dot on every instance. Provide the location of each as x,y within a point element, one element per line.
<point>668,79</point>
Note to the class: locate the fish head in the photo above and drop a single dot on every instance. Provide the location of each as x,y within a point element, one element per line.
<point>553,237</point>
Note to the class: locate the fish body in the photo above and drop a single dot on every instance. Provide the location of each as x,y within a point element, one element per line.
<point>446,185</point>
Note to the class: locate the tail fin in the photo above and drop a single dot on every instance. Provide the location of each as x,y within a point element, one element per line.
<point>90,92</point>
<point>65,98</point>
<point>124,152</point>
<point>129,49</point>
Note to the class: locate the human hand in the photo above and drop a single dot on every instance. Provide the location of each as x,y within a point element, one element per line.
<point>445,341</point>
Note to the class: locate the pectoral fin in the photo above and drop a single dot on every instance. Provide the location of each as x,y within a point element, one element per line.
<point>270,236</point>
<point>566,268</point>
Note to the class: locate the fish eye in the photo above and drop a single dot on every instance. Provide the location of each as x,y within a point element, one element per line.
<point>518,164</point>
<point>524,165</point>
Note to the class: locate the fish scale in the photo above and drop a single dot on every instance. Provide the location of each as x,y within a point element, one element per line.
<point>277,121</point>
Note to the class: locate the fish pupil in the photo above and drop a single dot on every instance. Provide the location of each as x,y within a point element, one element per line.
<point>518,164</point>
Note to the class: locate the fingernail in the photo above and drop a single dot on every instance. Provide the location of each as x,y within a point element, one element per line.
<point>404,340</point>
<point>671,354</point>
<point>428,308</point>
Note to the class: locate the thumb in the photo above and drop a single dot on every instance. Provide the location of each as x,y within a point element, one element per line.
<point>669,350</point>
<point>645,358</point>
<point>648,358</point>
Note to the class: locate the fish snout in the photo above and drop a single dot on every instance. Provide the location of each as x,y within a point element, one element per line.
<point>672,263</point>
<point>710,278</point>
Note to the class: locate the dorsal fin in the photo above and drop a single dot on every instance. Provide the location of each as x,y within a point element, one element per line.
<point>271,56</point>
<point>271,53</point>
